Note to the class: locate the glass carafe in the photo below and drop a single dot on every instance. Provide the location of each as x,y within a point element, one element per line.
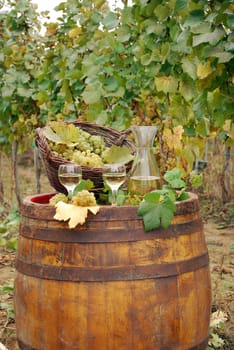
<point>144,175</point>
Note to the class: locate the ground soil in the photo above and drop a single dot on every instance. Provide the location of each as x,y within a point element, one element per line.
<point>221,252</point>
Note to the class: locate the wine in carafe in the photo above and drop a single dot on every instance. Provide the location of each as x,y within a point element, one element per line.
<point>140,185</point>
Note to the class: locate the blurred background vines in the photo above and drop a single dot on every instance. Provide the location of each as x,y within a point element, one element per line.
<point>168,63</point>
<point>165,63</point>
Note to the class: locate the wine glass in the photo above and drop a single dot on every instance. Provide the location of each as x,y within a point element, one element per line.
<point>69,176</point>
<point>114,176</point>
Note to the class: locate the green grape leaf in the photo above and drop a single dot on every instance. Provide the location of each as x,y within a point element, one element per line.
<point>182,195</point>
<point>11,244</point>
<point>111,84</point>
<point>156,213</point>
<point>110,21</point>
<point>152,197</point>
<point>189,67</point>
<point>166,84</point>
<point>51,135</point>
<point>196,179</point>
<point>123,33</point>
<point>120,197</point>
<point>83,185</point>
<point>60,132</point>
<point>167,192</point>
<point>181,4</point>
<point>162,12</point>
<point>187,88</point>
<point>152,26</point>
<point>212,38</point>
<point>117,154</point>
<point>92,94</point>
<point>173,177</point>
<point>118,93</point>
<point>146,59</point>
<point>24,92</point>
<point>7,288</point>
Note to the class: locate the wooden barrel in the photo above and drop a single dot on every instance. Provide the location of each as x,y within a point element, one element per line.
<point>109,285</point>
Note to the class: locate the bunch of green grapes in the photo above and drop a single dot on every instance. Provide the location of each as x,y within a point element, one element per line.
<point>87,158</point>
<point>86,150</point>
<point>84,198</point>
<point>133,199</point>
<point>82,141</point>
<point>93,143</point>
<point>57,198</point>
<point>98,144</point>
<point>57,148</point>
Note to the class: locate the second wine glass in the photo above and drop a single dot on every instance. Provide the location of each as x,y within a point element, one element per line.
<point>114,176</point>
<point>69,176</point>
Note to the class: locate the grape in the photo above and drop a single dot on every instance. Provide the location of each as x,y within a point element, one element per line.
<point>84,198</point>
<point>57,198</point>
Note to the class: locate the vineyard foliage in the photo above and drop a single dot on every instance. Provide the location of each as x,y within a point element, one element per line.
<point>165,63</point>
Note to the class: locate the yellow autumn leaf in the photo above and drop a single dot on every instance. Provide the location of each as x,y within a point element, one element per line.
<point>173,140</point>
<point>74,32</point>
<point>227,125</point>
<point>51,29</point>
<point>75,214</point>
<point>229,128</point>
<point>168,138</point>
<point>203,70</point>
<point>232,132</point>
<point>178,131</point>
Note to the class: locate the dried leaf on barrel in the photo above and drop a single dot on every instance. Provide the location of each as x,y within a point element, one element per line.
<point>75,214</point>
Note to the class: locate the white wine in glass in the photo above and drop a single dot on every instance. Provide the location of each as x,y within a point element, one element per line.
<point>69,176</point>
<point>114,176</point>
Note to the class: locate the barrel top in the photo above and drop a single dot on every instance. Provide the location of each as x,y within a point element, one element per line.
<point>109,225</point>
<point>39,203</point>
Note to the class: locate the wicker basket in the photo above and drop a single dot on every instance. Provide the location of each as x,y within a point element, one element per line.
<point>51,162</point>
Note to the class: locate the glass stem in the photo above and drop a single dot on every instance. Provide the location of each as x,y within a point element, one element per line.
<point>69,194</point>
<point>114,197</point>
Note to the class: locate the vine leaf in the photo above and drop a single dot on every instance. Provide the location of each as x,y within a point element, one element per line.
<point>173,177</point>
<point>166,84</point>
<point>60,132</point>
<point>83,185</point>
<point>156,211</point>
<point>117,154</point>
<point>75,214</point>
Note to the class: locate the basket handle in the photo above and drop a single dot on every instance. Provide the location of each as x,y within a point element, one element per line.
<point>122,137</point>
<point>41,143</point>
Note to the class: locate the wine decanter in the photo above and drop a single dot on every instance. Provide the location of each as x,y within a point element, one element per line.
<point>144,175</point>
